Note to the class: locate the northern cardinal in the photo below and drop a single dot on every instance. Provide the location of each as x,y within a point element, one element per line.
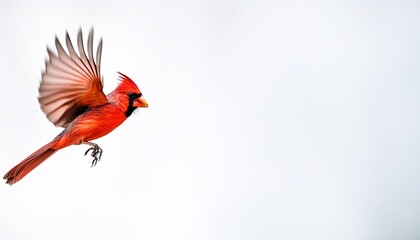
<point>71,96</point>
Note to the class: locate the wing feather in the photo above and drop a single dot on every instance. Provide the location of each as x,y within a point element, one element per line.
<point>82,52</point>
<point>90,51</point>
<point>98,58</point>
<point>71,82</point>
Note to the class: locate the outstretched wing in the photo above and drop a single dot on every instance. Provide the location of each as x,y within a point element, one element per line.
<point>71,83</point>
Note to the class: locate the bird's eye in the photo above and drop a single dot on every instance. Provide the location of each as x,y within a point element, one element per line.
<point>132,96</point>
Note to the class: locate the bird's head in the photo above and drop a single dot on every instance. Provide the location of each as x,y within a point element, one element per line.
<point>130,94</point>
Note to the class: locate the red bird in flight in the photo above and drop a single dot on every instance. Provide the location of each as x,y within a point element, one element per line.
<point>71,96</point>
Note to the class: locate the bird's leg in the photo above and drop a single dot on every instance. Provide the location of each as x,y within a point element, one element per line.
<point>96,152</point>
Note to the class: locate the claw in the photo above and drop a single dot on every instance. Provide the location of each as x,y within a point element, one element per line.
<point>96,154</point>
<point>88,150</point>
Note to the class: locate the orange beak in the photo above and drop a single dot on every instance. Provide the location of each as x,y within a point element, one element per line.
<point>140,102</point>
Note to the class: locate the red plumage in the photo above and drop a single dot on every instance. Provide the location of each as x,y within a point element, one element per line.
<point>71,96</point>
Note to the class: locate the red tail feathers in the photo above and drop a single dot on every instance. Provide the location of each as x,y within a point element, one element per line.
<point>28,164</point>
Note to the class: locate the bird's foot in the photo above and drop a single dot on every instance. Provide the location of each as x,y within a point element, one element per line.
<point>96,153</point>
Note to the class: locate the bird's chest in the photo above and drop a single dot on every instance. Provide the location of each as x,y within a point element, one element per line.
<point>97,123</point>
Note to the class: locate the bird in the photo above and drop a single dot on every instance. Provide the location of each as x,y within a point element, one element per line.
<point>71,97</point>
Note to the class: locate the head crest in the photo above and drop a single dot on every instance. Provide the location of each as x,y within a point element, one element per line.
<point>127,84</point>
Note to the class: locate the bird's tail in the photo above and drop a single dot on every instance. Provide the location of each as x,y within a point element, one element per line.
<point>28,164</point>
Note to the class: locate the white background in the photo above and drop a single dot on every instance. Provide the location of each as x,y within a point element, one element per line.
<point>267,120</point>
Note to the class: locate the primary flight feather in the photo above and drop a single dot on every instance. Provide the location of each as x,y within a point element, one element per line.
<point>71,96</point>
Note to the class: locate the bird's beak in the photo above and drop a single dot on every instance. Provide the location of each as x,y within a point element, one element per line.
<point>140,102</point>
